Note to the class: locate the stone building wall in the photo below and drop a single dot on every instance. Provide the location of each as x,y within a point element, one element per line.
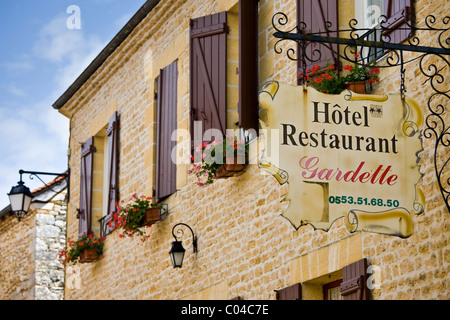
<point>50,240</point>
<point>17,255</point>
<point>29,265</point>
<point>418,267</point>
<point>246,248</point>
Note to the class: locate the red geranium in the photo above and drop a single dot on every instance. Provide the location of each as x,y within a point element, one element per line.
<point>329,80</point>
<point>71,253</point>
<point>128,217</point>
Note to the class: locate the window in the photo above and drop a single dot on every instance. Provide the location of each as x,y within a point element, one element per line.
<point>399,14</point>
<point>99,200</point>
<point>98,181</point>
<point>84,212</point>
<point>210,59</point>
<point>349,283</point>
<point>166,170</point>
<point>368,13</point>
<point>315,14</point>
<point>331,290</point>
<point>208,74</point>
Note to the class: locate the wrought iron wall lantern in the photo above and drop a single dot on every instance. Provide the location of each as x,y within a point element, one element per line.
<point>20,196</point>
<point>177,251</point>
<point>434,69</point>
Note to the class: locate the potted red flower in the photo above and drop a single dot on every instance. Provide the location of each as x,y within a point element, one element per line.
<point>86,249</point>
<point>329,81</point>
<point>138,213</point>
<point>359,74</point>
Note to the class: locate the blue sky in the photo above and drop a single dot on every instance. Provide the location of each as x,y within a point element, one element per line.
<point>42,52</point>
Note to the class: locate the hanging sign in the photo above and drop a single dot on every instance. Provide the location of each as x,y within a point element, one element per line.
<point>347,155</point>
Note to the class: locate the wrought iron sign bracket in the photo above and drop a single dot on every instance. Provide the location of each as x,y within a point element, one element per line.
<point>432,69</point>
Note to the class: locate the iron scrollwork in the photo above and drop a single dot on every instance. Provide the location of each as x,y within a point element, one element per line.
<point>64,175</point>
<point>432,62</point>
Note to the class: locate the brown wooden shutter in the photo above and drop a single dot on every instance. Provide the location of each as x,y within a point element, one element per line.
<point>315,14</point>
<point>398,13</point>
<point>354,285</point>
<point>248,65</point>
<point>290,293</point>
<point>166,169</point>
<point>87,156</point>
<point>113,157</point>
<point>208,72</point>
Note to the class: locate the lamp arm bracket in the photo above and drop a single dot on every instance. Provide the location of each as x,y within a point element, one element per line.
<point>36,174</point>
<point>180,234</point>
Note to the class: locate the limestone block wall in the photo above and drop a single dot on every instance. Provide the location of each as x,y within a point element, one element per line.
<point>50,240</point>
<point>417,267</point>
<point>29,265</point>
<point>246,248</point>
<point>17,266</point>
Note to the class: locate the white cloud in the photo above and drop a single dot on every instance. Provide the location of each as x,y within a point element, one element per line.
<point>32,138</point>
<point>35,136</point>
<point>57,42</point>
<point>15,90</point>
<point>70,51</point>
<point>22,63</point>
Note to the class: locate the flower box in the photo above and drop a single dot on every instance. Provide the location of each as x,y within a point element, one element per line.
<point>229,168</point>
<point>86,249</point>
<point>89,255</point>
<point>218,159</point>
<point>330,81</point>
<point>152,215</point>
<point>357,87</point>
<point>139,213</point>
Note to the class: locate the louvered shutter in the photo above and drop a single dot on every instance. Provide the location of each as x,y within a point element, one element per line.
<point>248,65</point>
<point>398,13</point>
<point>112,134</point>
<point>84,214</point>
<point>290,293</point>
<point>166,169</point>
<point>354,285</point>
<point>208,45</point>
<point>315,14</point>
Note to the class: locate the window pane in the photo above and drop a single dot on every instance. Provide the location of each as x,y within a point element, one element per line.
<point>334,294</point>
<point>374,9</point>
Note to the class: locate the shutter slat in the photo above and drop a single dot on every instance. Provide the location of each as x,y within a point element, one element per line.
<point>208,72</point>
<point>354,285</point>
<point>85,211</point>
<point>166,125</point>
<point>112,134</point>
<point>209,31</point>
<point>293,292</point>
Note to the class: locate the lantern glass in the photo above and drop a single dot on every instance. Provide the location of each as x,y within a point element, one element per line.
<point>20,199</point>
<point>177,254</point>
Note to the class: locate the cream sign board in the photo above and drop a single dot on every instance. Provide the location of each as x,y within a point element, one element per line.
<point>347,155</point>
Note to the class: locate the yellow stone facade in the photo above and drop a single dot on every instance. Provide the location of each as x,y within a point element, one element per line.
<point>245,248</point>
